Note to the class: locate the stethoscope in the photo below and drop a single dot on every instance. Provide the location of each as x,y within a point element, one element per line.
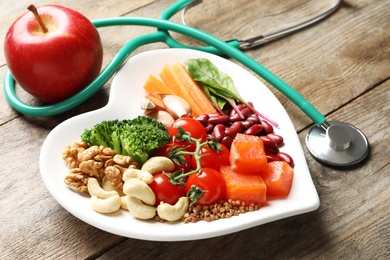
<point>332,143</point>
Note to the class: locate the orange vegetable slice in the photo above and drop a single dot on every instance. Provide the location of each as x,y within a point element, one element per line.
<point>247,154</point>
<point>248,188</point>
<point>278,179</point>
<point>156,100</point>
<point>155,85</point>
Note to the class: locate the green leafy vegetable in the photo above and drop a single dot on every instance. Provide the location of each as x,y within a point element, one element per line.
<point>137,137</point>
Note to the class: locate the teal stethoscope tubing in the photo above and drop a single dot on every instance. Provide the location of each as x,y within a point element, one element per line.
<point>216,46</point>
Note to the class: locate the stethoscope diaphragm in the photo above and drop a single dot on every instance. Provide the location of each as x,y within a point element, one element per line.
<point>337,144</point>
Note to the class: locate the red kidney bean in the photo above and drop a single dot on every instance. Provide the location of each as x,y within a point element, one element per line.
<point>220,119</point>
<point>247,124</point>
<point>245,112</point>
<point>277,138</point>
<point>254,118</point>
<point>272,158</point>
<point>235,117</point>
<point>227,141</point>
<point>203,119</point>
<point>267,141</point>
<point>254,130</point>
<point>236,127</point>
<point>209,128</point>
<point>285,157</point>
<point>214,114</point>
<point>271,150</point>
<point>219,132</point>
<point>268,128</point>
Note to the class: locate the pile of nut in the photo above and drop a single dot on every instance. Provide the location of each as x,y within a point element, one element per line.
<point>114,182</point>
<point>85,161</point>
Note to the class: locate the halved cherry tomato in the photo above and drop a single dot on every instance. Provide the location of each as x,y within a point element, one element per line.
<point>166,149</point>
<point>211,183</point>
<point>165,191</point>
<point>188,124</point>
<point>212,159</point>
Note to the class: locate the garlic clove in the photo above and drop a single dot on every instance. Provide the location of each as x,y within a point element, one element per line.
<point>163,116</point>
<point>176,106</point>
<point>146,104</point>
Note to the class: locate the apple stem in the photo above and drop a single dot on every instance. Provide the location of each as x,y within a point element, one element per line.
<point>34,10</point>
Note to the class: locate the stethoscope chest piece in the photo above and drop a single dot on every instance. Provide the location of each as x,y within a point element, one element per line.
<point>337,144</point>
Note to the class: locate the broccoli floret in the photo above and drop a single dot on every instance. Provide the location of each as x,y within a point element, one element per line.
<point>137,137</point>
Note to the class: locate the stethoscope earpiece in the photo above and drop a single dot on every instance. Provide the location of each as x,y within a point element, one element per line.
<point>337,144</point>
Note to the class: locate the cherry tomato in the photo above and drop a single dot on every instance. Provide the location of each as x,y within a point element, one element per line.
<point>211,183</point>
<point>194,127</point>
<point>165,191</point>
<point>212,159</point>
<point>166,149</point>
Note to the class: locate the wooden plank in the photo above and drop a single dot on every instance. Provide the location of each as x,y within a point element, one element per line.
<point>347,55</point>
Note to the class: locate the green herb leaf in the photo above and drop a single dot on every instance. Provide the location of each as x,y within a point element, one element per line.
<point>219,86</point>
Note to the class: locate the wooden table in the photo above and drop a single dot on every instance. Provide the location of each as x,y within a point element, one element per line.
<point>341,65</point>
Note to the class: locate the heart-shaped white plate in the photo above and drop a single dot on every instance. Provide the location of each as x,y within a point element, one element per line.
<point>124,102</point>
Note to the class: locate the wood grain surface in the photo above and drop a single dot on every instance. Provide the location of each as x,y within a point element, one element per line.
<point>341,65</point>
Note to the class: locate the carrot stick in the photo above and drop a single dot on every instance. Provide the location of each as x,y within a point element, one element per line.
<point>197,94</point>
<point>156,100</point>
<point>155,85</point>
<point>171,79</point>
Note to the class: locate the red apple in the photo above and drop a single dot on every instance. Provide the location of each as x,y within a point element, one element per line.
<point>55,57</point>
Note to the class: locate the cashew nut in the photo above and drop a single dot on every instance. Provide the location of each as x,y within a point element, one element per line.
<point>108,205</point>
<point>139,189</point>
<point>108,186</point>
<point>158,164</point>
<point>144,176</point>
<point>94,189</point>
<point>173,212</point>
<point>124,202</point>
<point>138,209</point>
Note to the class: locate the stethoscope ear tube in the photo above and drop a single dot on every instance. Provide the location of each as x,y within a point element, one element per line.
<point>266,38</point>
